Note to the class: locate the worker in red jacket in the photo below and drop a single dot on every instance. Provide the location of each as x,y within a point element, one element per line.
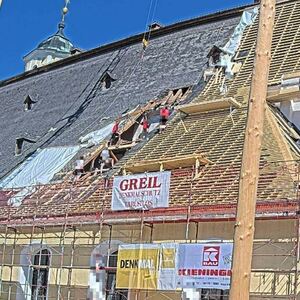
<point>164,116</point>
<point>115,135</point>
<point>145,124</point>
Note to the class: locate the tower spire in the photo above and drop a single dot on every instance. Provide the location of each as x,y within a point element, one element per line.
<point>54,48</point>
<point>65,10</point>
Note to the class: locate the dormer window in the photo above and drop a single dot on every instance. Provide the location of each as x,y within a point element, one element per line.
<point>107,81</point>
<point>154,26</point>
<point>28,103</point>
<point>214,56</point>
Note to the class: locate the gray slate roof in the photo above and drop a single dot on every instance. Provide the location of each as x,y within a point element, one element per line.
<point>68,95</point>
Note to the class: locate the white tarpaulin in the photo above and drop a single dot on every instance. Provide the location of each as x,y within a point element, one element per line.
<point>96,137</point>
<point>141,191</point>
<point>40,167</point>
<point>248,18</point>
<point>205,266</point>
<point>226,58</point>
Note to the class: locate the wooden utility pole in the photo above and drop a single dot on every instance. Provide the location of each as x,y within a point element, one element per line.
<point>244,227</point>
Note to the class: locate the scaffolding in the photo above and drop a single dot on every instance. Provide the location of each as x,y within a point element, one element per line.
<point>71,236</point>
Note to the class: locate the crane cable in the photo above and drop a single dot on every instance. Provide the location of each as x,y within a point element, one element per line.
<point>147,33</point>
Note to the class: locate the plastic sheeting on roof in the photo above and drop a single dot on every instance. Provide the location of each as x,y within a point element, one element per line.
<point>17,199</point>
<point>40,167</point>
<point>233,44</point>
<point>96,137</point>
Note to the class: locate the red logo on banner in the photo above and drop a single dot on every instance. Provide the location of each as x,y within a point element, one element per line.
<point>211,256</point>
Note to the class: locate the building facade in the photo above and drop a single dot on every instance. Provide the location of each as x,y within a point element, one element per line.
<point>59,236</point>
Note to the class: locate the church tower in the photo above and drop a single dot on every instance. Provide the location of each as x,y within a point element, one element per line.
<point>52,49</point>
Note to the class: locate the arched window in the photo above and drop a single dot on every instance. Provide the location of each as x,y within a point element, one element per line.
<point>106,81</point>
<point>111,275</point>
<point>40,273</point>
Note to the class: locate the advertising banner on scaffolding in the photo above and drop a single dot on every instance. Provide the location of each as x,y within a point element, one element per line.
<point>147,266</point>
<point>141,191</point>
<point>204,266</point>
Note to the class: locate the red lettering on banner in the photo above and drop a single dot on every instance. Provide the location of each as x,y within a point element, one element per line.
<point>204,272</point>
<point>133,184</point>
<point>139,183</point>
<point>124,185</point>
<point>134,204</point>
<point>201,272</point>
<point>150,182</point>
<point>155,184</point>
<point>182,272</point>
<point>215,273</point>
<point>143,183</point>
<point>194,272</point>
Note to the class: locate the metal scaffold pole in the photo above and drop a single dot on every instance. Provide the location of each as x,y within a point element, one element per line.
<point>297,231</point>
<point>244,227</point>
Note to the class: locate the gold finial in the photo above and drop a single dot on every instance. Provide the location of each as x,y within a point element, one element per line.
<point>65,10</point>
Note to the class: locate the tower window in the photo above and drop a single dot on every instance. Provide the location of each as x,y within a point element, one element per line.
<point>40,274</point>
<point>28,103</point>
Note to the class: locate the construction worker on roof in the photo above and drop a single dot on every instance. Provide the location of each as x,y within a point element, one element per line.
<point>106,159</point>
<point>79,167</point>
<point>145,124</point>
<point>115,135</point>
<point>164,116</point>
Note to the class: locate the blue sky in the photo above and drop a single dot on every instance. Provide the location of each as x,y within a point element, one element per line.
<point>90,23</point>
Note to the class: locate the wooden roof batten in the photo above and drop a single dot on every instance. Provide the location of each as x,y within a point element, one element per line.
<point>281,95</point>
<point>167,163</point>
<point>288,90</point>
<point>207,106</point>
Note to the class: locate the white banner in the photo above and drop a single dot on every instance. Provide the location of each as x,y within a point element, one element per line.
<point>205,266</point>
<point>141,191</point>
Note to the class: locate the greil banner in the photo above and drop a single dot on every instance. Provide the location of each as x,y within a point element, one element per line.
<point>141,191</point>
<point>147,266</point>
